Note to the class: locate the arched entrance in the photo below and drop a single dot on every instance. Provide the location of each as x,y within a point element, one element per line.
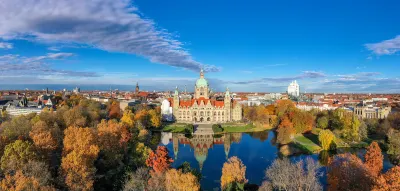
<point>201,119</point>
<point>208,119</point>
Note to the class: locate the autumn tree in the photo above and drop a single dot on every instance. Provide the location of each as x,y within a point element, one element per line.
<point>159,161</point>
<point>233,174</point>
<point>394,146</point>
<point>128,119</point>
<point>19,126</point>
<point>285,131</point>
<point>326,138</point>
<point>16,155</point>
<point>155,118</point>
<point>137,180</point>
<point>80,152</point>
<point>323,122</point>
<point>348,172</point>
<point>114,111</point>
<point>111,139</point>
<point>250,113</point>
<point>141,154</point>
<point>302,121</point>
<point>388,181</point>
<point>45,138</point>
<point>374,159</point>
<point>142,119</point>
<point>4,141</point>
<point>77,116</point>
<point>284,107</point>
<point>179,181</point>
<point>285,175</point>
<point>19,182</point>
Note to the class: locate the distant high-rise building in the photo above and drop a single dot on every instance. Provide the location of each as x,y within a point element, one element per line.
<point>294,89</point>
<point>77,90</point>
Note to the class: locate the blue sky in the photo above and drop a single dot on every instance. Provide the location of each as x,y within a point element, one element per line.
<point>327,46</point>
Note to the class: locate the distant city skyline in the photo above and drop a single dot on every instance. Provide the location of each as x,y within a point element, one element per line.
<point>257,46</point>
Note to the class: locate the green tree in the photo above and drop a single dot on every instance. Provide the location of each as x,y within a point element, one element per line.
<point>323,122</point>
<point>16,155</point>
<point>18,127</point>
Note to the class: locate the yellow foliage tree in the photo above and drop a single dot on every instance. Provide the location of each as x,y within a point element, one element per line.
<point>233,172</point>
<point>175,180</point>
<point>326,138</point>
<point>80,152</point>
<point>155,118</point>
<point>128,119</point>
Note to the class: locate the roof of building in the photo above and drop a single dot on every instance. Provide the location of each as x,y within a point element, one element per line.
<point>201,82</point>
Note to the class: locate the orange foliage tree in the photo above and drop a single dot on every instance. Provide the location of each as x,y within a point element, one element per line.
<point>284,107</point>
<point>112,139</point>
<point>114,111</point>
<point>374,159</point>
<point>388,181</point>
<point>348,172</point>
<point>45,138</point>
<point>233,174</point>
<point>80,152</point>
<point>175,180</point>
<point>142,118</point>
<point>302,121</point>
<point>20,182</point>
<point>159,161</point>
<point>285,131</point>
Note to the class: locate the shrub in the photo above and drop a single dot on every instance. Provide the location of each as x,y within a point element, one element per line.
<point>217,128</point>
<point>189,128</point>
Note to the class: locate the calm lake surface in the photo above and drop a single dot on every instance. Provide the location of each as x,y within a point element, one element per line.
<point>208,152</point>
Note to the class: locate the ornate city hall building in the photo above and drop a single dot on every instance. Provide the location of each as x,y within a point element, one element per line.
<point>202,108</point>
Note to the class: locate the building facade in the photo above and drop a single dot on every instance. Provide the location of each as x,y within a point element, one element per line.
<point>204,109</point>
<point>294,89</point>
<point>372,112</point>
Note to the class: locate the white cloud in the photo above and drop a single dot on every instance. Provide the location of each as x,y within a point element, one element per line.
<point>386,47</point>
<point>50,56</point>
<point>6,45</point>
<point>13,66</point>
<point>111,25</point>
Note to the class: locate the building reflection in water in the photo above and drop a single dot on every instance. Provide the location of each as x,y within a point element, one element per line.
<point>201,141</point>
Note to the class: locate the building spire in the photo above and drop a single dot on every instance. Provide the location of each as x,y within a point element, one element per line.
<point>201,73</point>
<point>176,91</point>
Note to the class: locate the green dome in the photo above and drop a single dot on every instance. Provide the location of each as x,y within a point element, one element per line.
<point>201,83</point>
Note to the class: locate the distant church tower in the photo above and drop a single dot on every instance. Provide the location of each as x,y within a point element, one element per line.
<point>227,105</point>
<point>137,88</point>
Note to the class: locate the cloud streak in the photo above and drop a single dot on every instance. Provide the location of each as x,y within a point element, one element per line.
<point>6,45</point>
<point>110,25</point>
<point>12,66</point>
<point>304,75</point>
<point>386,47</point>
<point>50,56</point>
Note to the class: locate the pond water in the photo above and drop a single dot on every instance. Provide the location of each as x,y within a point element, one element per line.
<point>208,152</point>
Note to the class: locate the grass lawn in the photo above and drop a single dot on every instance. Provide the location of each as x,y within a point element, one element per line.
<point>174,129</point>
<point>242,128</point>
<point>306,144</point>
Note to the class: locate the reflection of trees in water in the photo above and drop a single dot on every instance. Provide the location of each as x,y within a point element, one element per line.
<point>323,157</point>
<point>262,135</point>
<point>154,140</point>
